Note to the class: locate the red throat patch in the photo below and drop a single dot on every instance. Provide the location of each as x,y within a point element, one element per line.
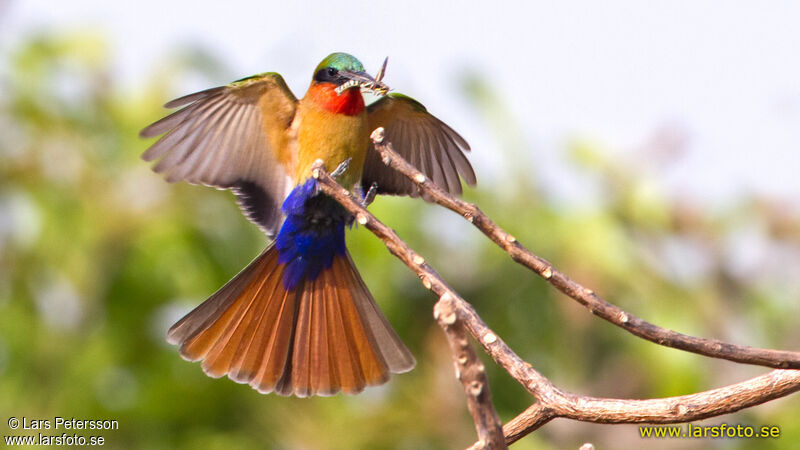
<point>349,103</point>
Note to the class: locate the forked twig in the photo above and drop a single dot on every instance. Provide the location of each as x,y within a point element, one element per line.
<point>453,312</point>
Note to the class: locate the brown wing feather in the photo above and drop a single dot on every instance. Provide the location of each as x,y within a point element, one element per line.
<point>392,350</point>
<point>220,357</point>
<point>423,140</point>
<point>247,364</point>
<point>321,378</point>
<point>343,369</point>
<point>276,361</point>
<point>231,137</point>
<point>301,353</point>
<point>364,361</point>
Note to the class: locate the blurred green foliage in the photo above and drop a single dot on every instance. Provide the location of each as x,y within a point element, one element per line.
<point>99,256</point>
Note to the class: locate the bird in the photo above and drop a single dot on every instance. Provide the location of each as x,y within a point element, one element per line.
<point>299,319</point>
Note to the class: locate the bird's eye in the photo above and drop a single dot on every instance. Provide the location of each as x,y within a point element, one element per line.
<point>324,75</point>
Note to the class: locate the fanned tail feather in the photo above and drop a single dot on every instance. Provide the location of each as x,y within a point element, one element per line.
<point>324,336</point>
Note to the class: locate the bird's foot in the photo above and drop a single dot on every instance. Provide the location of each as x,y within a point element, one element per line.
<point>341,169</point>
<point>369,196</point>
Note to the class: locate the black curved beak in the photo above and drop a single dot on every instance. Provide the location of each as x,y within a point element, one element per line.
<point>365,81</point>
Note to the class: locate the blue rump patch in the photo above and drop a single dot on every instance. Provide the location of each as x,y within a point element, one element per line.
<point>311,236</point>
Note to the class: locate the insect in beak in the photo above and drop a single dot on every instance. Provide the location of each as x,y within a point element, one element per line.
<point>365,81</point>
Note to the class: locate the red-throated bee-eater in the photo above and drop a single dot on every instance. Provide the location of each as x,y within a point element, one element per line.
<point>299,319</point>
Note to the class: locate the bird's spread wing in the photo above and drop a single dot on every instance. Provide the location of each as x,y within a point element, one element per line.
<point>423,140</point>
<point>231,137</point>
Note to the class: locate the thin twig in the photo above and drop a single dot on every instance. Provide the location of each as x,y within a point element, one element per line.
<point>552,401</point>
<point>472,374</point>
<point>779,359</point>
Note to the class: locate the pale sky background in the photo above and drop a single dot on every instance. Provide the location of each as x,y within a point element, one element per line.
<point>725,73</point>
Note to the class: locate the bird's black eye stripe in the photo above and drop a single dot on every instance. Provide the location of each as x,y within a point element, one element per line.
<point>328,74</point>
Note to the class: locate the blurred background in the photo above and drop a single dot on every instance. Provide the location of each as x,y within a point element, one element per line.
<point>649,150</point>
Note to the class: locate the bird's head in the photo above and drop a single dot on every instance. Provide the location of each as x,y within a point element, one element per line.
<point>346,72</point>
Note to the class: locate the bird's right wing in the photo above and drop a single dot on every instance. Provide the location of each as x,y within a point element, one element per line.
<point>231,137</point>
<point>423,140</point>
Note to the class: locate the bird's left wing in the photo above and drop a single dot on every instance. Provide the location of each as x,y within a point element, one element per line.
<point>423,140</point>
<point>231,137</point>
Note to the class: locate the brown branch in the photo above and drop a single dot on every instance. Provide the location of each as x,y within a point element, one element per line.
<point>529,421</point>
<point>552,401</point>
<point>780,359</point>
<point>472,374</point>
<point>685,408</point>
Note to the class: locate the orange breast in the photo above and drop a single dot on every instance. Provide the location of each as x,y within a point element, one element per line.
<point>330,129</point>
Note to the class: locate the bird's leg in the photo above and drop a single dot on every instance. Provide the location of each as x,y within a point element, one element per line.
<point>341,169</point>
<point>369,197</point>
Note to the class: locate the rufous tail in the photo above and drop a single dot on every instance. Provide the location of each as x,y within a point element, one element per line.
<point>324,336</point>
